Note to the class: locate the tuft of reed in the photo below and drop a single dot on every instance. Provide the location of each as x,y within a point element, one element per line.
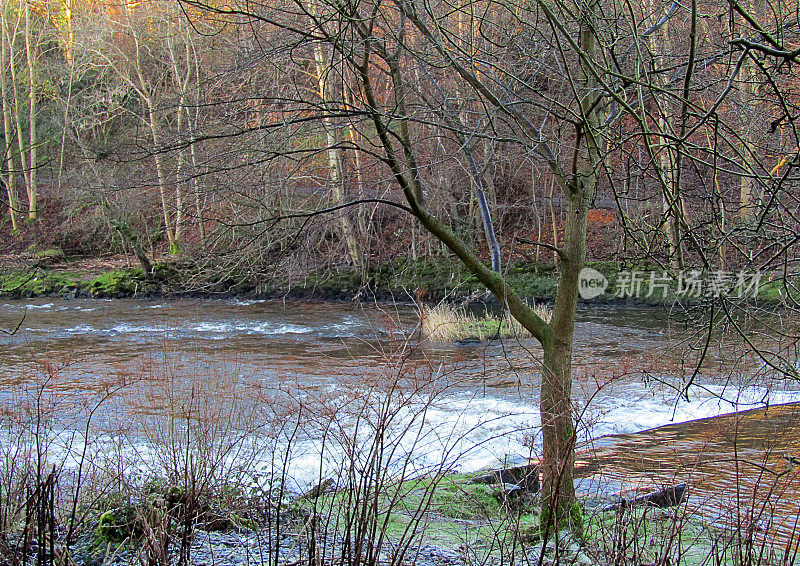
<point>444,323</point>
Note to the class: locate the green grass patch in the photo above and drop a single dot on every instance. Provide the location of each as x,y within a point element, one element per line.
<point>445,510</point>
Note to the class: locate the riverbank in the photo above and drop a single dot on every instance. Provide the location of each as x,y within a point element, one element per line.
<point>403,280</point>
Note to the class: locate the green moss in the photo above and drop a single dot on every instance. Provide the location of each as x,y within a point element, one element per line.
<point>36,282</point>
<point>460,500</point>
<point>118,282</point>
<point>779,290</point>
<point>118,525</point>
<point>53,255</point>
<point>535,285</point>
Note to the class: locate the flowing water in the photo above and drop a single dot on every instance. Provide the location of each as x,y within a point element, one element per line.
<point>106,368</point>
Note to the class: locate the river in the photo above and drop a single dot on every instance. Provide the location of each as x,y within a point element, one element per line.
<point>102,370</point>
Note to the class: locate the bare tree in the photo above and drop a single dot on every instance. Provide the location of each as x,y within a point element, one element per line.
<point>403,57</point>
<point>574,86</point>
<point>151,60</point>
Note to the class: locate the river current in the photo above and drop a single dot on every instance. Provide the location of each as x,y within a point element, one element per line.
<point>120,365</point>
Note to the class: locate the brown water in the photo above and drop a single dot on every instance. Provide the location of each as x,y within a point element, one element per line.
<point>742,469</point>
<point>130,358</point>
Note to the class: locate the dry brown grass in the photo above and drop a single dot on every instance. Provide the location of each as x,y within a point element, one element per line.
<point>444,323</point>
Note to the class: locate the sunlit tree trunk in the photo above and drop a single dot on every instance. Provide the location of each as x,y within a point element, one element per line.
<point>30,53</point>
<point>69,36</point>
<point>324,67</point>
<point>8,130</point>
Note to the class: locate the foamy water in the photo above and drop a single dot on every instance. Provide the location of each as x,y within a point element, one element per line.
<point>467,427</point>
<point>461,432</point>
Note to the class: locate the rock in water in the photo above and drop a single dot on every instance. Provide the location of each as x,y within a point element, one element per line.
<point>324,487</point>
<point>667,497</point>
<point>518,471</point>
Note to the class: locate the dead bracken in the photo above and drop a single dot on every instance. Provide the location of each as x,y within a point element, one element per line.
<point>444,323</point>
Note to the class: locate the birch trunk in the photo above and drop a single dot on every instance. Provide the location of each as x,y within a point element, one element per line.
<point>160,177</point>
<point>30,54</point>
<point>323,66</point>
<point>8,130</point>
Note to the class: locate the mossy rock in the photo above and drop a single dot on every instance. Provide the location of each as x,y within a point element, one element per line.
<point>37,282</point>
<point>118,525</point>
<point>51,256</point>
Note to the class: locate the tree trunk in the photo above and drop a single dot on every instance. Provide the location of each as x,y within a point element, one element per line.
<point>33,190</point>
<point>179,174</point>
<point>198,199</point>
<point>133,242</point>
<point>195,119</point>
<point>181,82</point>
<point>64,129</point>
<point>8,133</point>
<point>363,225</point>
<point>748,183</point>
<point>668,158</point>
<point>70,37</point>
<point>324,66</point>
<point>559,505</point>
<point>162,189</point>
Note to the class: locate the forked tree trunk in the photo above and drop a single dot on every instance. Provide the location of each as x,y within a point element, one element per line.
<point>8,131</point>
<point>324,66</point>
<point>559,505</point>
